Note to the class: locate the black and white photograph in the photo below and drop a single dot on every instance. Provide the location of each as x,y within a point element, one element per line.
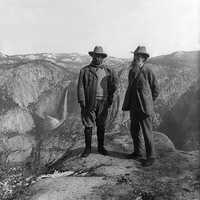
<point>99,100</point>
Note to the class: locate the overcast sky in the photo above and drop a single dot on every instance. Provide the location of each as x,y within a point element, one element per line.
<point>63,26</point>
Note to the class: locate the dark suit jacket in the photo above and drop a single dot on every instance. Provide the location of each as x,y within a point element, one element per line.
<point>140,94</point>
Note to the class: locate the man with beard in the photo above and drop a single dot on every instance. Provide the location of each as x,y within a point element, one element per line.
<point>139,98</point>
<point>96,86</point>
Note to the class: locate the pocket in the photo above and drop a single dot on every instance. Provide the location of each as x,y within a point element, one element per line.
<point>146,92</point>
<point>143,88</point>
<point>90,81</point>
<point>106,104</point>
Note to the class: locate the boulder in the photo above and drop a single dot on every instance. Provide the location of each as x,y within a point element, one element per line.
<point>163,144</point>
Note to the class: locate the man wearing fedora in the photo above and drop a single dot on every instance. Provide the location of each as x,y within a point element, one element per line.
<point>96,86</point>
<point>139,98</point>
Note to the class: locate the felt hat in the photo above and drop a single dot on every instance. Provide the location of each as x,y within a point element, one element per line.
<point>98,50</point>
<point>141,50</point>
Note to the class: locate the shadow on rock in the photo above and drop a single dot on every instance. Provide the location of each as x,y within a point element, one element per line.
<point>57,164</point>
<point>76,153</point>
<point>116,154</point>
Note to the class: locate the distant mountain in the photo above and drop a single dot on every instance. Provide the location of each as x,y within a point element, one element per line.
<point>178,59</point>
<point>71,61</point>
<point>2,55</point>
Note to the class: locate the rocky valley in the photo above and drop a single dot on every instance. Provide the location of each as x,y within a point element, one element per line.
<point>38,90</point>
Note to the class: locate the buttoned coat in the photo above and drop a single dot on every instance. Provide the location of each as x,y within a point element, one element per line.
<point>87,85</point>
<point>142,90</point>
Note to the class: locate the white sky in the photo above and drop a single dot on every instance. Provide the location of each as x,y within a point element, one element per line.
<point>62,26</point>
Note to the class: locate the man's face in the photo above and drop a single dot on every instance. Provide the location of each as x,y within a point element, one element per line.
<point>139,59</point>
<point>97,59</point>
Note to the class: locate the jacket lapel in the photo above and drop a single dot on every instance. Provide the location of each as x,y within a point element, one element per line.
<point>135,75</point>
<point>93,71</point>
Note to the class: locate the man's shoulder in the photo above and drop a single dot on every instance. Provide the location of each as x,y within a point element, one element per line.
<point>147,68</point>
<point>107,68</point>
<point>110,69</point>
<point>85,68</point>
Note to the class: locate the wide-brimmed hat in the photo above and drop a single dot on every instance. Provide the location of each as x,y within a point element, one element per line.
<point>141,50</point>
<point>99,51</point>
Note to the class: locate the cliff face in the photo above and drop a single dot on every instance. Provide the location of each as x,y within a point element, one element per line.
<point>181,123</point>
<point>33,89</point>
<point>30,92</point>
<point>178,103</point>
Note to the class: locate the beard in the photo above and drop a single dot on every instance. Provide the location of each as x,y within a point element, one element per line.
<point>97,60</point>
<point>138,63</point>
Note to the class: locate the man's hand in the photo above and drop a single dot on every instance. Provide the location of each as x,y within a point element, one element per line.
<point>109,102</point>
<point>125,117</point>
<point>82,105</point>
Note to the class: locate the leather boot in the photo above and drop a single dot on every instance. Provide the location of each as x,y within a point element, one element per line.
<point>134,156</point>
<point>100,138</point>
<point>88,139</point>
<point>148,162</point>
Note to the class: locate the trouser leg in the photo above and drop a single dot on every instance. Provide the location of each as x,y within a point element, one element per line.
<point>100,136</point>
<point>146,125</point>
<point>100,139</point>
<point>136,134</point>
<point>88,119</point>
<point>88,140</point>
<point>101,115</point>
